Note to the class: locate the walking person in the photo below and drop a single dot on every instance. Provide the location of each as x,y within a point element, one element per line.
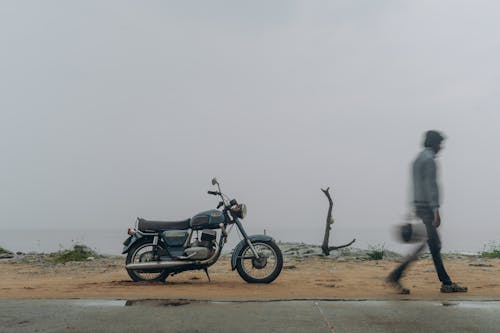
<point>426,203</point>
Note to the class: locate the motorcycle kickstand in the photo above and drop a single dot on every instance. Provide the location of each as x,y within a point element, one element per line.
<point>164,280</point>
<point>206,272</point>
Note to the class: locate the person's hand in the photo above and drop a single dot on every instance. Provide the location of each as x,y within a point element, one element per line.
<point>437,219</point>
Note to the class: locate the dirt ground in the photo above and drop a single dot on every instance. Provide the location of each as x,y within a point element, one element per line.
<point>309,278</point>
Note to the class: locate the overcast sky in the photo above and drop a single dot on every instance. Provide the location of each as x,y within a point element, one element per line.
<point>111,110</point>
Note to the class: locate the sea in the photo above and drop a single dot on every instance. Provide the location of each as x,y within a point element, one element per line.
<point>110,241</point>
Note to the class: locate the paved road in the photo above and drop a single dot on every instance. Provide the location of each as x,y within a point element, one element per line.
<point>280,316</point>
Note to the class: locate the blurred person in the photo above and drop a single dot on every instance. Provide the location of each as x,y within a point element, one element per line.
<point>426,203</point>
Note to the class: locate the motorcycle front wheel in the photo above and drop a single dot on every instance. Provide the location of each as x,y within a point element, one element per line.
<point>142,251</point>
<point>264,269</point>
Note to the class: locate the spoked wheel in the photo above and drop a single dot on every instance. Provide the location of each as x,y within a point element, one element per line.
<point>143,252</point>
<point>264,269</point>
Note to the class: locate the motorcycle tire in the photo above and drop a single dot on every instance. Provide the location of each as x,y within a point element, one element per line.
<point>144,275</point>
<point>255,273</point>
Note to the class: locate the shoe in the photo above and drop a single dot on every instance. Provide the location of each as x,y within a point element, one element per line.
<point>396,285</point>
<point>453,288</point>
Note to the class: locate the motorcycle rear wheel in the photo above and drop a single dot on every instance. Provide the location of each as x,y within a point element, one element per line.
<point>142,251</point>
<point>264,269</point>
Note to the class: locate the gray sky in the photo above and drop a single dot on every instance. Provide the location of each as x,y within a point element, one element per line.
<point>112,110</point>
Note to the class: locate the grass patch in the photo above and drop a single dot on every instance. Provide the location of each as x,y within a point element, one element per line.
<point>4,251</point>
<point>77,253</point>
<point>492,251</point>
<point>375,252</point>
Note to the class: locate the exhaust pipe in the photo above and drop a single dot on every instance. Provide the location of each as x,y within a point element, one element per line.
<point>159,264</point>
<point>174,264</point>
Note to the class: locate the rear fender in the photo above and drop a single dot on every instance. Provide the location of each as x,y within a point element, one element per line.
<point>239,247</point>
<point>130,241</point>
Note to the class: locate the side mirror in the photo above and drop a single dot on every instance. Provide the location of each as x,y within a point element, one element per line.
<point>214,181</point>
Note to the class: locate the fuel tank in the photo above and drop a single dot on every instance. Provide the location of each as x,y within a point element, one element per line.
<point>209,219</point>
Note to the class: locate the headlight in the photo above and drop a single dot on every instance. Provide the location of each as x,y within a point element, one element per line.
<point>240,211</point>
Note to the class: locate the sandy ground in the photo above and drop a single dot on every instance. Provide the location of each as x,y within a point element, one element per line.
<point>310,278</point>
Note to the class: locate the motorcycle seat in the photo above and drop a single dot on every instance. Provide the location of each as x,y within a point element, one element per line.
<point>155,226</point>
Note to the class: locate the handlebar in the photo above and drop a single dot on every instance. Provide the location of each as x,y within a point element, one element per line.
<point>214,193</point>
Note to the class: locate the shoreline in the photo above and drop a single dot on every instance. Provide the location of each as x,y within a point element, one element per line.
<point>109,241</point>
<point>289,249</point>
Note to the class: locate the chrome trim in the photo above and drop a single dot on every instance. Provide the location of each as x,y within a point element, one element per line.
<point>157,264</point>
<point>142,233</point>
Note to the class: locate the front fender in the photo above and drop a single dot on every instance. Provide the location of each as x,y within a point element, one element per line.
<point>239,247</point>
<point>127,244</point>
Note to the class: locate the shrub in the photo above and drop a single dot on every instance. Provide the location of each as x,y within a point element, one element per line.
<point>4,251</point>
<point>375,252</point>
<point>77,253</point>
<point>492,251</point>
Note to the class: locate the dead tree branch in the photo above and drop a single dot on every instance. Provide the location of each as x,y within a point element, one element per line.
<point>329,221</point>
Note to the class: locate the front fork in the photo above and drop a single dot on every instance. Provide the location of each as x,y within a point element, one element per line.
<point>240,227</point>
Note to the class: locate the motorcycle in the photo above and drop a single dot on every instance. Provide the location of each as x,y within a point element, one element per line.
<point>158,249</point>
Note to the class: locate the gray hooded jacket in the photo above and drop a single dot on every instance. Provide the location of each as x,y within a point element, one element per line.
<point>425,186</point>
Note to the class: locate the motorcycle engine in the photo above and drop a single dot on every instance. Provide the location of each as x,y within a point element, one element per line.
<point>200,250</point>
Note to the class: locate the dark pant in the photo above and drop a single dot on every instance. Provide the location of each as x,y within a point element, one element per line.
<point>427,216</point>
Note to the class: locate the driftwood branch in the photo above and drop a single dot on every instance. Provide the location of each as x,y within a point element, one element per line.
<point>331,248</point>
<point>329,221</point>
